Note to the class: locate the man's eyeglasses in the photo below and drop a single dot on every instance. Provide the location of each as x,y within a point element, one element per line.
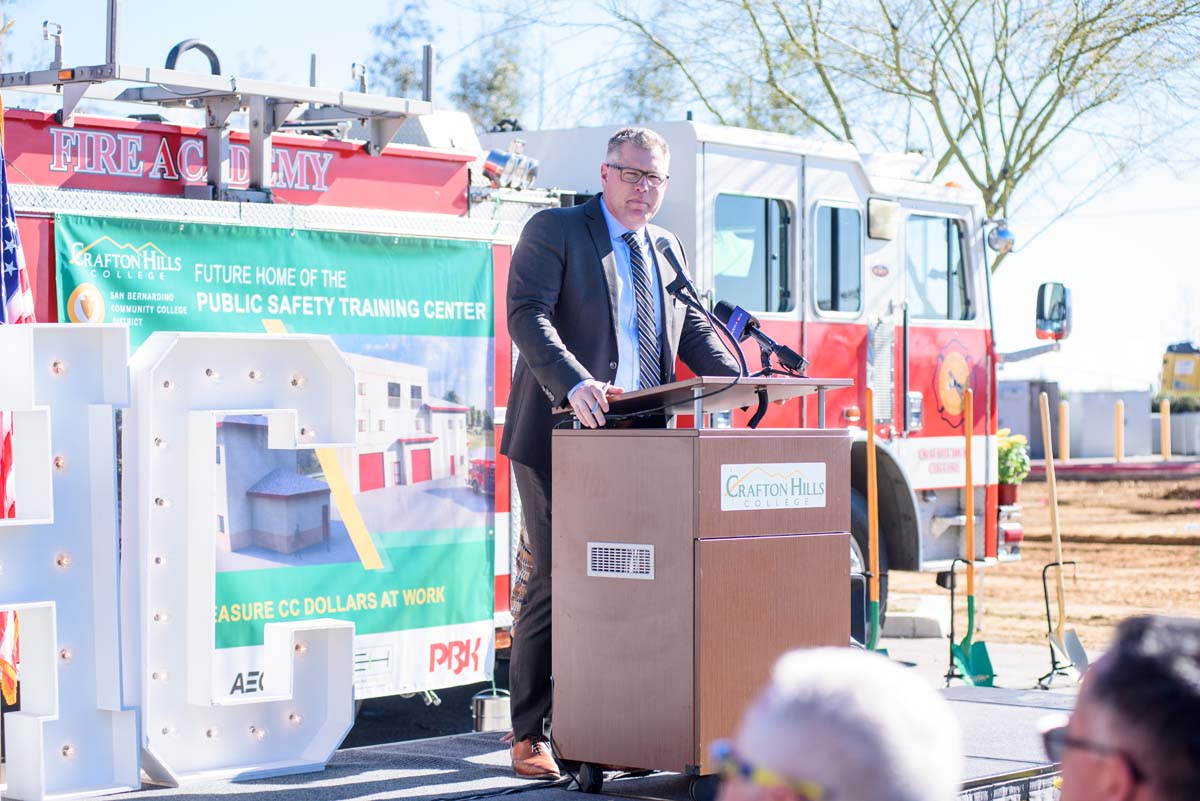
<point>1057,741</point>
<point>732,766</point>
<point>632,175</point>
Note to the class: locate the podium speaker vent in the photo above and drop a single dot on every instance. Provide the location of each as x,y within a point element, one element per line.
<point>620,560</point>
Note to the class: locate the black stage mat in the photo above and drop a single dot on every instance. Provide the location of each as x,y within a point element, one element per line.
<point>1003,748</point>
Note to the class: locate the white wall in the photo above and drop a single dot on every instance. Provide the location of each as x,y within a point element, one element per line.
<point>1093,423</point>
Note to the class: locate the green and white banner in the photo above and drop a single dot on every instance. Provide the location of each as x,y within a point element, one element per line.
<point>414,317</point>
<point>169,276</point>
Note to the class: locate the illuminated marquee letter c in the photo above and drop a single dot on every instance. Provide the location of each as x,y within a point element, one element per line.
<point>183,385</point>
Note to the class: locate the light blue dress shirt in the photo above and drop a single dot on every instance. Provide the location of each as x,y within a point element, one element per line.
<point>627,326</point>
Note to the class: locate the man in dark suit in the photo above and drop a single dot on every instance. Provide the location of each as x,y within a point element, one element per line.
<point>588,311</point>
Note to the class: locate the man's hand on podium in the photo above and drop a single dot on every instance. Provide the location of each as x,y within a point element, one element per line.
<point>589,401</point>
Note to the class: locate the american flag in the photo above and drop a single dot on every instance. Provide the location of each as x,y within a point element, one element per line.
<point>16,306</point>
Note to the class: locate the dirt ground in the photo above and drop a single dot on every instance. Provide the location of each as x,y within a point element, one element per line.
<point>1137,545</point>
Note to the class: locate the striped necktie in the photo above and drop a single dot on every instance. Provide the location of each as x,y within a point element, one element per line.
<point>649,363</point>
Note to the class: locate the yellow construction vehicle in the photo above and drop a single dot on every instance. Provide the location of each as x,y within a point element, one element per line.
<point>1181,371</point>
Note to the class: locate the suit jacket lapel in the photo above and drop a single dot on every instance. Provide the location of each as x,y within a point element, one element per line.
<point>598,228</point>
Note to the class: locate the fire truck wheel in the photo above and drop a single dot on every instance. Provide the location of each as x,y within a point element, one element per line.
<point>474,486</point>
<point>858,548</point>
<point>591,777</point>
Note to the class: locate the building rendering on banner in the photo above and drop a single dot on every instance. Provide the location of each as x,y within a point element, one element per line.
<point>405,436</point>
<point>262,497</point>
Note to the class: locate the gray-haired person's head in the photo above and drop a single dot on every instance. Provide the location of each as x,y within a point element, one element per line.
<point>643,138</point>
<point>857,724</point>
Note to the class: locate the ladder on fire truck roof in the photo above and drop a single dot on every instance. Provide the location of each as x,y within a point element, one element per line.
<point>269,104</point>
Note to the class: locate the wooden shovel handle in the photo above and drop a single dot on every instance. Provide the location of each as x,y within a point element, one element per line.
<point>1055,536</point>
<point>969,489</point>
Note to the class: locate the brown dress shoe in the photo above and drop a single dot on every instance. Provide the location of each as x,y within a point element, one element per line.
<point>531,759</point>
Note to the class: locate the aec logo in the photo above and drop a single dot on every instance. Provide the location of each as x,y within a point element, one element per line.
<point>249,682</point>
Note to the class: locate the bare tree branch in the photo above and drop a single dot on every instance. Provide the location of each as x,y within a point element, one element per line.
<point>688,75</point>
<point>1007,86</point>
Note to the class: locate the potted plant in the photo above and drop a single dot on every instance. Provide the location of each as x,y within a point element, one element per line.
<point>1014,464</point>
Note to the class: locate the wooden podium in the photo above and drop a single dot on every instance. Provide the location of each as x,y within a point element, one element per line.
<point>685,561</point>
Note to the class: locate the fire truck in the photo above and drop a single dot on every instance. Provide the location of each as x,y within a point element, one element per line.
<point>860,263</point>
<point>482,476</point>
<point>871,270</point>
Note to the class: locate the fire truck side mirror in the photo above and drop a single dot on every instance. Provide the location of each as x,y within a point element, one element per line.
<point>883,218</point>
<point>1053,311</point>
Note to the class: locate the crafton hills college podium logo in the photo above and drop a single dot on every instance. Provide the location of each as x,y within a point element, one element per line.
<point>777,485</point>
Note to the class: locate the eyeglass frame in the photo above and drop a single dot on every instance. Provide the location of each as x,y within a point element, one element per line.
<point>649,176</point>
<point>1056,739</point>
<point>731,765</point>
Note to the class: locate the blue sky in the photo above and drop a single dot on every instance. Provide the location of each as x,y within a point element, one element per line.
<point>1127,256</point>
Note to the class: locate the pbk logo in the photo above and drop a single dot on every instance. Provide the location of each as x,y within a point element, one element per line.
<point>455,656</point>
<point>250,682</point>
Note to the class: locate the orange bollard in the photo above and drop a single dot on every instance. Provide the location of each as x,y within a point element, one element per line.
<point>1064,431</point>
<point>1119,431</point>
<point>1164,428</point>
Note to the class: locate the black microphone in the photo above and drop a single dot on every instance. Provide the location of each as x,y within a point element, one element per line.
<point>737,320</point>
<point>787,357</point>
<point>682,281</point>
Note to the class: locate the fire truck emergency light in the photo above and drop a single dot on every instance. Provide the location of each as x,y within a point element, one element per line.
<point>1000,239</point>
<point>510,169</point>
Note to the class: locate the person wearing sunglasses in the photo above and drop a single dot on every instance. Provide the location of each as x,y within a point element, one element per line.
<point>1135,732</point>
<point>837,724</point>
<point>588,311</point>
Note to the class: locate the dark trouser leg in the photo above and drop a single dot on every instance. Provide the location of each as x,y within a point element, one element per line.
<point>529,669</point>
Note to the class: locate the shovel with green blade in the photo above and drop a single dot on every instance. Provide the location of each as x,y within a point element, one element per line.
<point>971,658</point>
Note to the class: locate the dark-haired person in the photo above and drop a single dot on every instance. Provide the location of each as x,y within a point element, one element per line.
<point>1135,731</point>
<point>588,311</point>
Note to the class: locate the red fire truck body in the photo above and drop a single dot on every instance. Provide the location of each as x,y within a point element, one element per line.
<point>871,271</point>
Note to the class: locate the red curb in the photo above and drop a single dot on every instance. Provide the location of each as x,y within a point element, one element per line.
<point>1110,470</point>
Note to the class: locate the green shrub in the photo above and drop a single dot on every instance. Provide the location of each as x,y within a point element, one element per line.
<point>1178,405</point>
<point>1014,456</point>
